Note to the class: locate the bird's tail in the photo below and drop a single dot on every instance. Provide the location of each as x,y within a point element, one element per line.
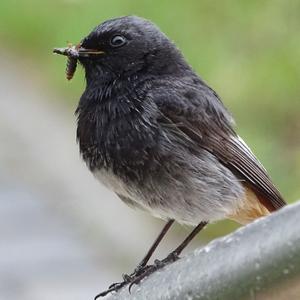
<point>250,208</point>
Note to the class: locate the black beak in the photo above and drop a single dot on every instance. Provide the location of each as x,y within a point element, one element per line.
<point>76,52</point>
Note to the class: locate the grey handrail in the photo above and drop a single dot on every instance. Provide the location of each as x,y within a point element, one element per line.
<point>260,261</point>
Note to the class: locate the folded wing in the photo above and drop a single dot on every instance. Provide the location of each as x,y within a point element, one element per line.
<point>205,123</point>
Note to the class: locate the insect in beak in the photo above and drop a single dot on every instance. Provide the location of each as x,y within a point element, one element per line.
<point>73,53</point>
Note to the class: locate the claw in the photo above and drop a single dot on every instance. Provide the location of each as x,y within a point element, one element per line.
<point>111,289</point>
<point>126,280</point>
<point>139,274</point>
<point>130,286</point>
<point>158,264</point>
<point>145,274</point>
<point>114,285</point>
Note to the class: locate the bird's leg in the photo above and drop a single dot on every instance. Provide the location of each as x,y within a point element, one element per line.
<point>145,260</point>
<point>141,267</point>
<point>173,256</point>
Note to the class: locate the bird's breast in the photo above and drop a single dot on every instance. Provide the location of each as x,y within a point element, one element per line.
<point>117,138</point>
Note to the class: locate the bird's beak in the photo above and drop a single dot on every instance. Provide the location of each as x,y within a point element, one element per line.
<point>76,52</point>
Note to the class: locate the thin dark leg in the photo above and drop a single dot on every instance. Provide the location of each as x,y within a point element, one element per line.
<point>173,256</point>
<point>155,244</point>
<point>141,266</point>
<point>188,239</point>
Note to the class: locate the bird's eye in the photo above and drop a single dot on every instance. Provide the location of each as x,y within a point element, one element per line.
<point>118,41</point>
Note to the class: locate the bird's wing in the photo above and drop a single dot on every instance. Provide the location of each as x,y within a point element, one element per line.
<point>198,114</point>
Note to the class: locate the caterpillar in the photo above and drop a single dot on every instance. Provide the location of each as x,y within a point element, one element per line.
<point>71,63</point>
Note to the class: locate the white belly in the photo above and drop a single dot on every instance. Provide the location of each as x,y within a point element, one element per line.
<point>193,198</point>
<point>112,182</point>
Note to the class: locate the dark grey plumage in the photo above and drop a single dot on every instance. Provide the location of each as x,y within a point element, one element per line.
<point>152,131</point>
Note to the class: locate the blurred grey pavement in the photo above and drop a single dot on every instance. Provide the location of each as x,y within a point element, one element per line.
<point>63,235</point>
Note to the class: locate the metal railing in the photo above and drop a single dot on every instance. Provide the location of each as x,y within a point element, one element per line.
<point>260,261</point>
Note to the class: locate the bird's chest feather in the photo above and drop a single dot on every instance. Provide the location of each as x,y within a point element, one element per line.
<point>116,136</point>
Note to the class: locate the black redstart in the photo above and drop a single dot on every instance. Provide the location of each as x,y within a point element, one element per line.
<point>156,134</point>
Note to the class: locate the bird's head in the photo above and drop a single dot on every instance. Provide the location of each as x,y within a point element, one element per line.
<point>125,46</point>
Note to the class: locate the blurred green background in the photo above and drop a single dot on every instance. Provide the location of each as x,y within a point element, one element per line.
<point>248,51</point>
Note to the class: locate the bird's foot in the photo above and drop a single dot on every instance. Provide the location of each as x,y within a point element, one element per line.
<point>127,279</point>
<point>139,273</point>
<point>158,264</point>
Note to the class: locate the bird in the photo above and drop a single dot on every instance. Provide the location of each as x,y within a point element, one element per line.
<point>156,134</point>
